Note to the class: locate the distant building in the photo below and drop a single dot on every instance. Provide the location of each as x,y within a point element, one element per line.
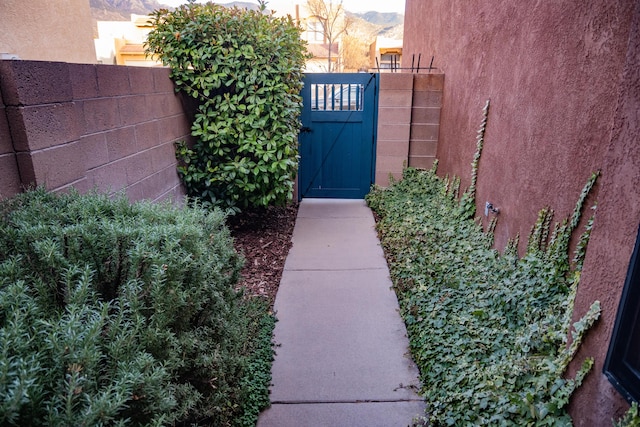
<point>317,43</point>
<point>320,52</point>
<point>47,30</point>
<point>386,54</point>
<point>122,42</point>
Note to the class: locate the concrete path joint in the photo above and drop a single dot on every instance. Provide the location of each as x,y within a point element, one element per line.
<point>342,347</point>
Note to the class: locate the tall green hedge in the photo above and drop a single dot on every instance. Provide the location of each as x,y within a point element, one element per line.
<point>244,68</point>
<point>114,314</point>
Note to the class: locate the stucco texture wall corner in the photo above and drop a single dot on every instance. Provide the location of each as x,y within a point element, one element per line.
<point>613,238</point>
<point>564,83</point>
<point>549,69</point>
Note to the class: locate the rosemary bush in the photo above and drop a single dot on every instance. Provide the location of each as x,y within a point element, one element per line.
<point>114,313</point>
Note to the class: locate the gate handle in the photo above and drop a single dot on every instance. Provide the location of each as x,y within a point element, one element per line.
<point>305,129</point>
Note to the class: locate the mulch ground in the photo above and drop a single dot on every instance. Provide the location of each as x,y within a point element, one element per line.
<point>263,237</point>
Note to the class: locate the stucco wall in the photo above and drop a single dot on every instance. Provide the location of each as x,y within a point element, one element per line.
<point>103,127</point>
<point>551,70</point>
<point>562,106</point>
<point>613,238</point>
<point>47,30</point>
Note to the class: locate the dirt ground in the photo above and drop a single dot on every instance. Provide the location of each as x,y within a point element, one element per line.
<point>263,237</point>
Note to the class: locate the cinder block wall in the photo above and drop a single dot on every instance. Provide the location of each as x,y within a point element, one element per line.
<point>425,119</point>
<point>91,126</point>
<point>394,125</point>
<point>9,176</point>
<point>113,128</point>
<point>408,123</point>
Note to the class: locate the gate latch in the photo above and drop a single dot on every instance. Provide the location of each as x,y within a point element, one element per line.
<point>305,129</point>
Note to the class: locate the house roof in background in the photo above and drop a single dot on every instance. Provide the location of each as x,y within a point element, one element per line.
<point>321,50</point>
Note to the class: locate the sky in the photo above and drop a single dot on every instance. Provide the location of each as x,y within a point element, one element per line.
<point>350,5</point>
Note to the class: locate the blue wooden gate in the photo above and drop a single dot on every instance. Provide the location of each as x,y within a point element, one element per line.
<point>337,140</point>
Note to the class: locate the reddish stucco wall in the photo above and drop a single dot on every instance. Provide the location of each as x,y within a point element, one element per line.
<point>613,238</point>
<point>551,70</point>
<point>564,102</point>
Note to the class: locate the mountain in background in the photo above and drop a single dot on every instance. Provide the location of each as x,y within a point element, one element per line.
<point>241,5</point>
<point>121,10</point>
<point>386,19</point>
<point>371,24</point>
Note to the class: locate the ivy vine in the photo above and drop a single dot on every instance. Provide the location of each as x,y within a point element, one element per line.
<point>488,331</point>
<point>468,201</point>
<point>630,419</point>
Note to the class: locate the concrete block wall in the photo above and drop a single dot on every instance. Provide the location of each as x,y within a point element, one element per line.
<point>113,128</point>
<point>395,93</point>
<point>87,126</point>
<point>9,175</point>
<point>425,119</point>
<point>408,123</point>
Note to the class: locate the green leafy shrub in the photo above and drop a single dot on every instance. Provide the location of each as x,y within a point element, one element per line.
<point>114,314</point>
<point>487,331</point>
<point>244,68</point>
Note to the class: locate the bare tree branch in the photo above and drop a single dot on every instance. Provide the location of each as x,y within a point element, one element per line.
<point>333,21</point>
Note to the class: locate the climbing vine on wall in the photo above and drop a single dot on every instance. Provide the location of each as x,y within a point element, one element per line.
<point>489,332</point>
<point>468,201</point>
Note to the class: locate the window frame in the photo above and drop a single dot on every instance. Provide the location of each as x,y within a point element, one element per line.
<point>316,30</point>
<point>618,367</point>
<point>337,97</point>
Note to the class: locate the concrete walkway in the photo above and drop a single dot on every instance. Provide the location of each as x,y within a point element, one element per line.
<point>342,349</point>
